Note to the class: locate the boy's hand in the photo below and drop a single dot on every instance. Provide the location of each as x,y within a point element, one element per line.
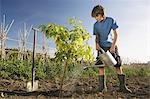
<point>112,49</point>
<point>97,46</point>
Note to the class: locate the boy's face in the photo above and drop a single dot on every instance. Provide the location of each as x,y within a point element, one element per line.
<point>99,17</point>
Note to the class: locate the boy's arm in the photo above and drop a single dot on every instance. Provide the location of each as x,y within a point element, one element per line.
<point>97,42</point>
<point>112,49</point>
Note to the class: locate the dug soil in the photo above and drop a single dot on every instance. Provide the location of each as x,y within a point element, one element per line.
<point>86,88</point>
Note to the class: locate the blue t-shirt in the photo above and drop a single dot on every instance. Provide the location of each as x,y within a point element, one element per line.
<point>103,28</point>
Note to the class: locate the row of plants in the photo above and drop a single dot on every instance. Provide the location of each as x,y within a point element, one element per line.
<point>49,69</point>
<point>21,70</point>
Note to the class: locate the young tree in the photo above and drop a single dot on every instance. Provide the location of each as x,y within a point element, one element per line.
<point>71,43</point>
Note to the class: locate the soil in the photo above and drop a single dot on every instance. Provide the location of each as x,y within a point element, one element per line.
<point>86,88</point>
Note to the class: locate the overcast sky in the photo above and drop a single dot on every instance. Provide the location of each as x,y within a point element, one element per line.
<point>132,16</point>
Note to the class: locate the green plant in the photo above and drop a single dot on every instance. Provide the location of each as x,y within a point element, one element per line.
<point>71,44</point>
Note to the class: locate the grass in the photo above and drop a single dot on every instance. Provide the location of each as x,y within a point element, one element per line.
<point>137,70</point>
<point>51,70</point>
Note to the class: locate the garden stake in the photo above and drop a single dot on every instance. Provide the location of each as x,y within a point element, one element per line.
<point>33,86</point>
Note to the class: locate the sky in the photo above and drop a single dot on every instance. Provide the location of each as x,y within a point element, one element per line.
<point>131,16</point>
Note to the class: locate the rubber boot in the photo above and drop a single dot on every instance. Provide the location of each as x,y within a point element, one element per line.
<point>122,86</point>
<point>102,84</point>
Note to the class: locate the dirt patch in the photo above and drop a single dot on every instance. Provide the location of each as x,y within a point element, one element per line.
<point>81,88</point>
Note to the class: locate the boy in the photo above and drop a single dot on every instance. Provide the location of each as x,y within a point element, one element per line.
<point>102,29</point>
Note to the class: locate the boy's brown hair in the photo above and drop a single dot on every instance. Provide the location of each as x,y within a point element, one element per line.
<point>97,10</point>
